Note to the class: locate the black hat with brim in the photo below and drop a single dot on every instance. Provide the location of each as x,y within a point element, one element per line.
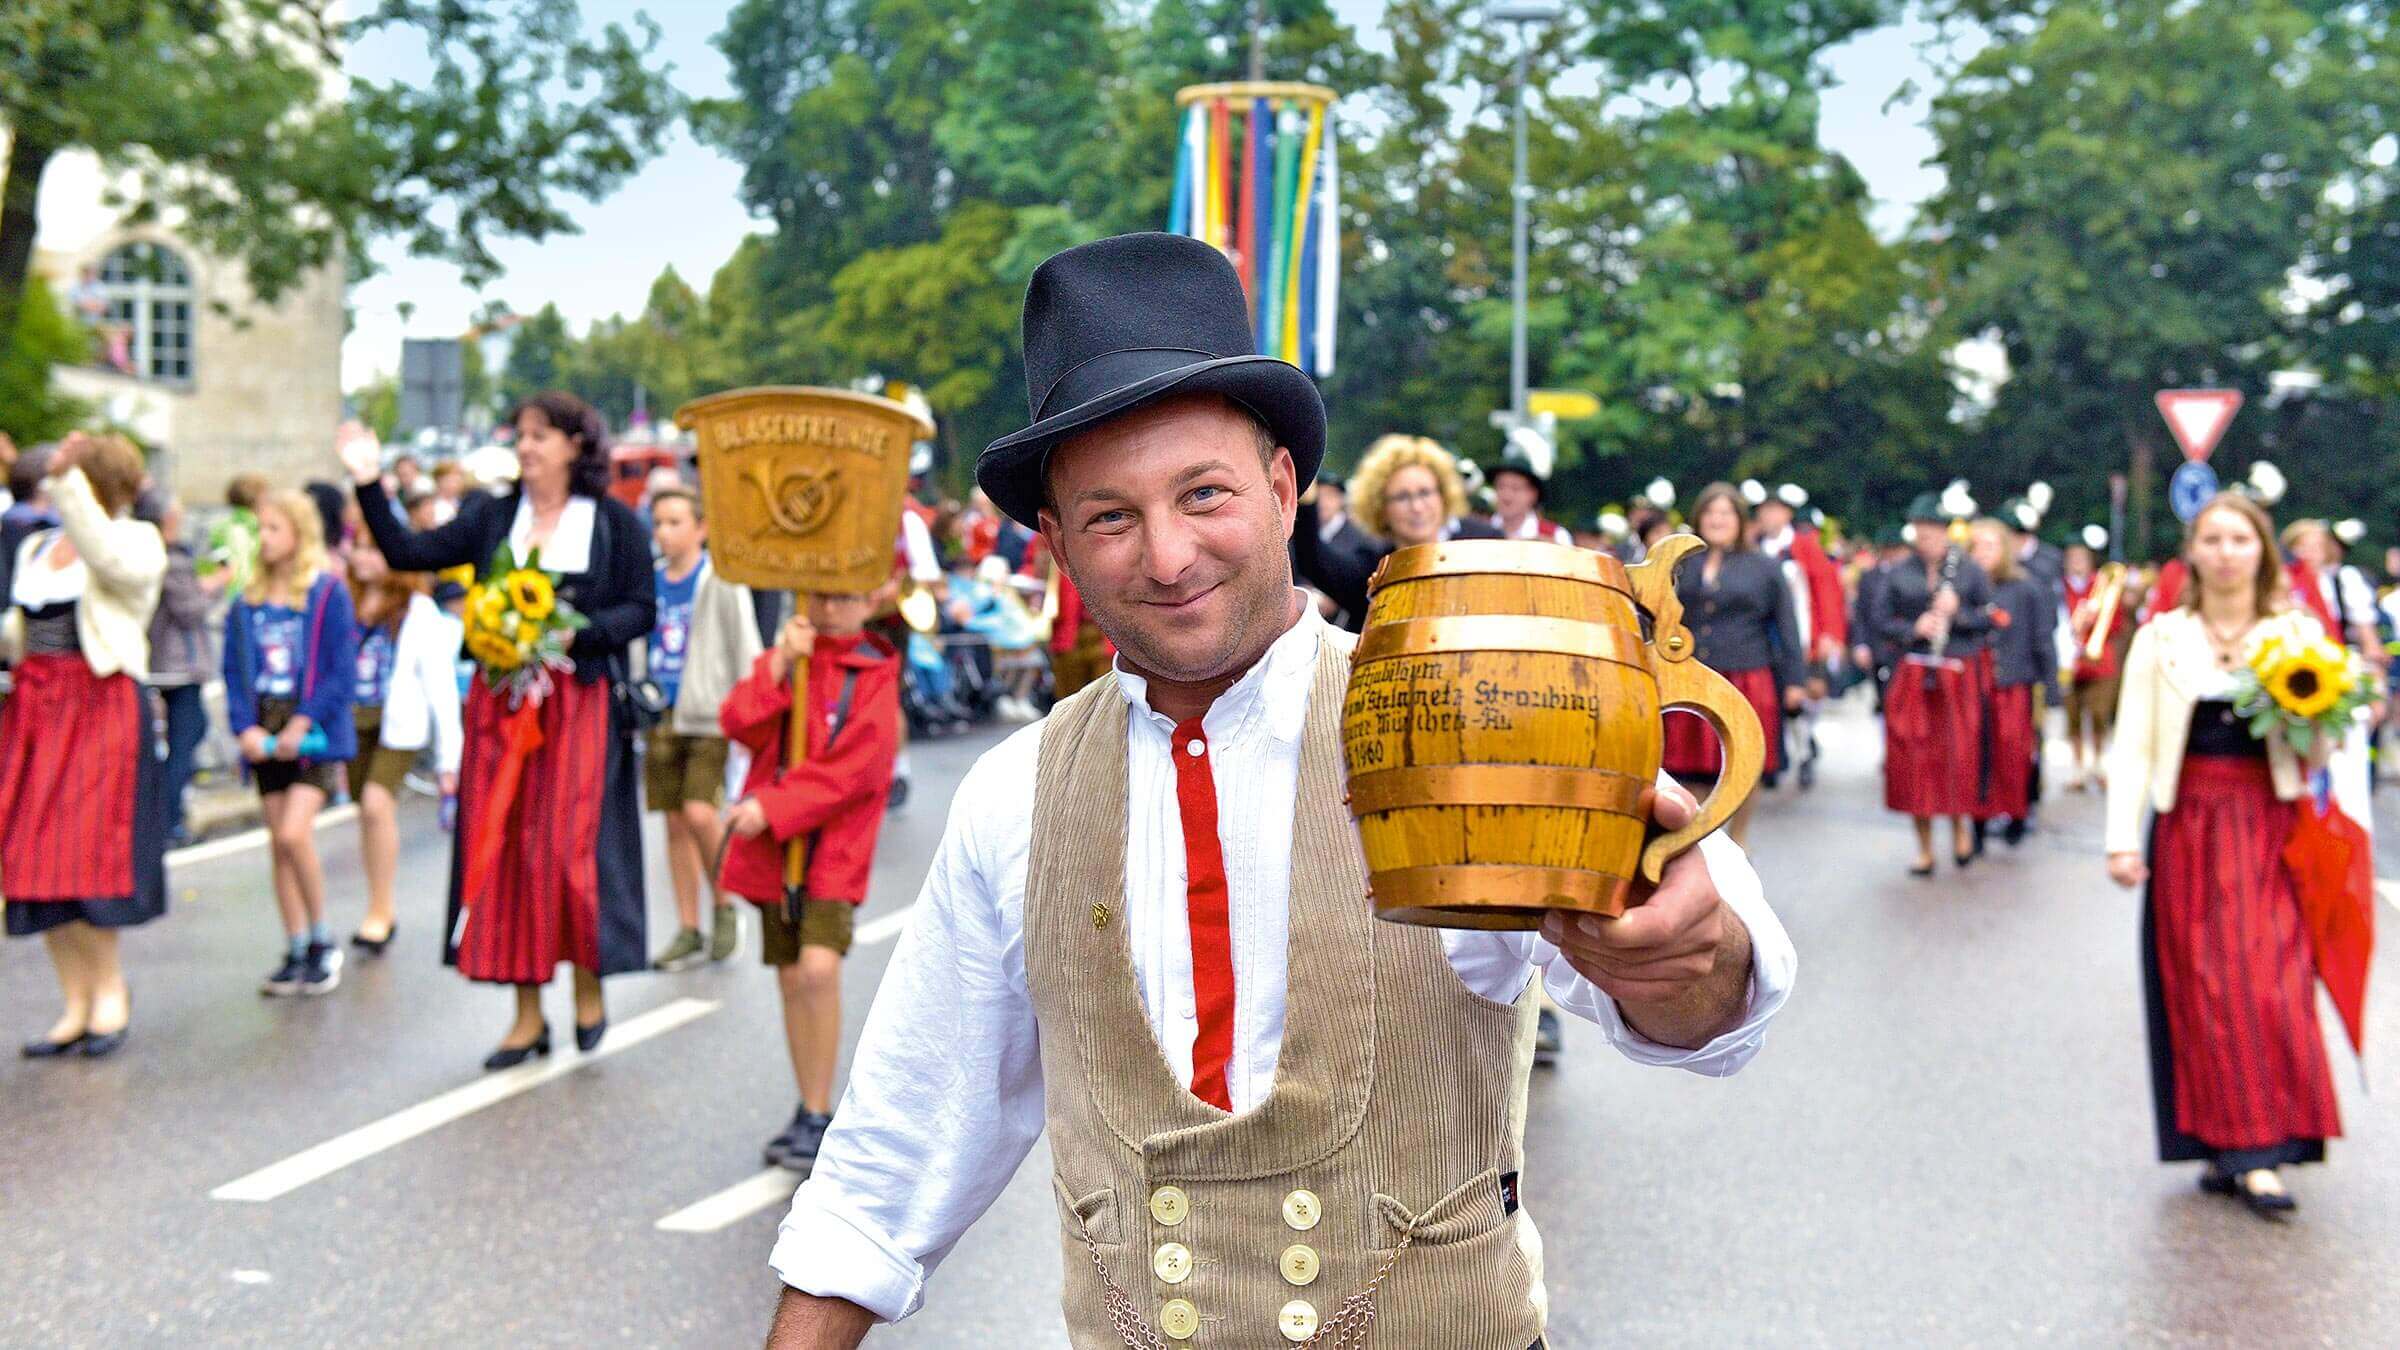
<point>1523,468</point>
<point>1928,506</point>
<point>1118,324</point>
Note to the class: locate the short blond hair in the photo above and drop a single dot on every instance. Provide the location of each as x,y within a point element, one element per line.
<point>1390,454</point>
<point>308,545</point>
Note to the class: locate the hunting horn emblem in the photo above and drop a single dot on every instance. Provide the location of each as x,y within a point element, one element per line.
<point>800,500</point>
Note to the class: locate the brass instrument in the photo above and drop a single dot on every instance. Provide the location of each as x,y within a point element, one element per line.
<point>2100,607</point>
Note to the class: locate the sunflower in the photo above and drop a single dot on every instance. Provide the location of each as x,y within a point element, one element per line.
<point>492,650</point>
<point>532,594</point>
<point>2310,680</point>
<point>486,607</point>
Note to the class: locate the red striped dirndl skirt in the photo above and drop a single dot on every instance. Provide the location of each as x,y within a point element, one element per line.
<point>71,745</point>
<point>1933,738</point>
<point>2245,1059</point>
<point>541,905</point>
<point>1691,744</point>
<point>2010,791</point>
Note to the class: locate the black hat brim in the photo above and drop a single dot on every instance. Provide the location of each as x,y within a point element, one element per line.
<point>1010,469</point>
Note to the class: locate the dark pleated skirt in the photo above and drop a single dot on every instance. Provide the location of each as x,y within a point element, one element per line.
<point>2238,1063</point>
<point>568,884</point>
<point>1933,738</point>
<point>83,800</point>
<point>2009,789</point>
<point>1691,744</point>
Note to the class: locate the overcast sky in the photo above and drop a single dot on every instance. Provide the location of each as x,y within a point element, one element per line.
<point>682,209</point>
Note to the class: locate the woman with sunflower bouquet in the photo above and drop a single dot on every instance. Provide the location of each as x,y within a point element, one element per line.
<point>2225,703</point>
<point>548,864</point>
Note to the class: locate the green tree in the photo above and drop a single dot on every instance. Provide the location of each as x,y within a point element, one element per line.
<point>30,410</point>
<point>537,355</point>
<point>377,404</point>
<point>235,135</point>
<point>2131,189</point>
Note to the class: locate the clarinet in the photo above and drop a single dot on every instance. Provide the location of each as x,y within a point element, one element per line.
<point>1940,642</point>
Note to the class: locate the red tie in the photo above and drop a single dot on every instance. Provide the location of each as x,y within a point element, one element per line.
<point>1211,925</point>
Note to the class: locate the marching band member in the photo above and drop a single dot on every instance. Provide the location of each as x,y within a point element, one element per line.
<point>1818,605</point>
<point>1740,613</point>
<point>2022,655</point>
<point>2101,608</point>
<point>1518,493</point>
<point>2238,1065</point>
<point>1931,608</point>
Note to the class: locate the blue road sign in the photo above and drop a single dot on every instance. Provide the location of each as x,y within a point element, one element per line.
<point>2189,490</point>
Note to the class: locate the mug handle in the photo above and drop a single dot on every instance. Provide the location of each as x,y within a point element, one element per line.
<point>1686,685</point>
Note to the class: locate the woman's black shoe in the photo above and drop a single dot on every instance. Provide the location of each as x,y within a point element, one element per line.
<point>375,946</point>
<point>1920,869</point>
<point>45,1048</point>
<point>507,1057</point>
<point>2264,1204</point>
<point>99,1043</point>
<point>587,1039</point>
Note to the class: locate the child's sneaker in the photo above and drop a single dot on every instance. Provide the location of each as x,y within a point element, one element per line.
<point>796,1148</point>
<point>685,952</point>
<point>321,969</point>
<point>725,934</point>
<point>285,980</point>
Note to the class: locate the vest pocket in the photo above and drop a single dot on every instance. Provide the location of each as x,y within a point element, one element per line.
<point>1466,1213</point>
<point>1094,1214</point>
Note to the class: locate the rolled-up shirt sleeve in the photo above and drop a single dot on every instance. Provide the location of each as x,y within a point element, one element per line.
<point>1498,965</point>
<point>945,1093</point>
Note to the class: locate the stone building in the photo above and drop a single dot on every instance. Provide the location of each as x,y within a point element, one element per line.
<point>184,354</point>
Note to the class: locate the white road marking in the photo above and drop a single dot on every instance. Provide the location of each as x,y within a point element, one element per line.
<point>250,839</point>
<point>2390,887</point>
<point>312,1164</point>
<point>883,929</point>
<point>737,1202</point>
<point>252,1277</point>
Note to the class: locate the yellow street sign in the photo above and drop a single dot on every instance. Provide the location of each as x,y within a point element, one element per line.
<point>1565,404</point>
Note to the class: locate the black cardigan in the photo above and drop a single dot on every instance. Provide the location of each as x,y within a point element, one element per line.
<point>2026,651</point>
<point>1744,621</point>
<point>1906,594</point>
<point>616,592</point>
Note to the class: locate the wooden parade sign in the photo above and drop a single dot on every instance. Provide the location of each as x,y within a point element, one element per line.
<point>803,485</point>
<point>804,489</point>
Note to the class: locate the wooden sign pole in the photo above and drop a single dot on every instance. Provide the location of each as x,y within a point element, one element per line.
<point>804,489</point>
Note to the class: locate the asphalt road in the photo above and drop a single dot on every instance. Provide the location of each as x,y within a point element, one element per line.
<point>1946,1141</point>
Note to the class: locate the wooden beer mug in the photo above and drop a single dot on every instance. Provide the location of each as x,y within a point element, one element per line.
<point>1502,735</point>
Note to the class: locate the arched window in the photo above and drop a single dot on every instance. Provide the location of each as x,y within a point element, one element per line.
<point>150,299</point>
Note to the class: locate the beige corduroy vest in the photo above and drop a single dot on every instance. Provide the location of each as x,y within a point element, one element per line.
<point>1370,1199</point>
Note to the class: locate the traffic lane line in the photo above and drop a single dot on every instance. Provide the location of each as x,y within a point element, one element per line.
<point>250,839</point>
<point>773,1186</point>
<point>314,1164</point>
<point>2390,889</point>
<point>760,1190</point>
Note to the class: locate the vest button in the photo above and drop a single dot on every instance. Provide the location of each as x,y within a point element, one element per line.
<point>1173,1263</point>
<point>1297,1321</point>
<point>1301,1210</point>
<point>1179,1319</point>
<point>1169,1205</point>
<point>1299,1264</point>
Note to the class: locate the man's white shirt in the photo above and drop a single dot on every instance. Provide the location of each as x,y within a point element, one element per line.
<point>945,1092</point>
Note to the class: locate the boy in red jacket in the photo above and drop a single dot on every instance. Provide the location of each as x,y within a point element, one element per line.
<point>835,799</point>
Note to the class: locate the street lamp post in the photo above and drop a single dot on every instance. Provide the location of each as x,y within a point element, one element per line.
<point>1524,14</point>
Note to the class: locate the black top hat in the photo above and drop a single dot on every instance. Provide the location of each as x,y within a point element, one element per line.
<point>1119,323</point>
<point>1523,468</point>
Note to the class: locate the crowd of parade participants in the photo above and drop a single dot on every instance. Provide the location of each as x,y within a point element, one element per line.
<point>333,617</point>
